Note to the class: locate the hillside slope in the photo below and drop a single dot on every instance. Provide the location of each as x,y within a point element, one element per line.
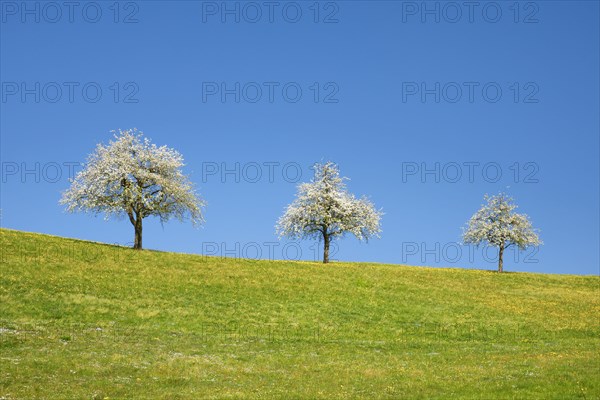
<point>87,320</point>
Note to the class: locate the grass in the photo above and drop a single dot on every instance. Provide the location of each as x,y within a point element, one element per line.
<point>93,321</point>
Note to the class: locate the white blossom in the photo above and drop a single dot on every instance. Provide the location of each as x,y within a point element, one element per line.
<point>497,224</point>
<point>323,209</point>
<point>133,177</point>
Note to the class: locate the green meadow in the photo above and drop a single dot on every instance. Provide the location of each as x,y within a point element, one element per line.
<point>84,320</point>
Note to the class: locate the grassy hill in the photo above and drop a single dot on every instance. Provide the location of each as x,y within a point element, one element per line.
<point>87,320</point>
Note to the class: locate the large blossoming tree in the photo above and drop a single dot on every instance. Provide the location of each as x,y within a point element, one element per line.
<point>323,209</point>
<point>135,178</point>
<point>497,224</point>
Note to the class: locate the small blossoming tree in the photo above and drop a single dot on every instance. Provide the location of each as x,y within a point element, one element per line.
<point>133,177</point>
<point>497,224</point>
<point>323,209</point>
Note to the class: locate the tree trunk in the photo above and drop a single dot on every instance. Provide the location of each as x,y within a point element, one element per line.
<point>326,240</point>
<point>500,255</point>
<point>137,244</point>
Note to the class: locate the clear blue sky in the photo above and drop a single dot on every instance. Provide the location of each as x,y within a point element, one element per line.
<point>403,87</point>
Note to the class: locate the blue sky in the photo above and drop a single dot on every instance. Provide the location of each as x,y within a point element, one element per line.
<point>425,107</point>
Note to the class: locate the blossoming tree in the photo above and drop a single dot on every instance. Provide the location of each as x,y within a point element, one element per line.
<point>497,224</point>
<point>133,177</point>
<point>323,209</point>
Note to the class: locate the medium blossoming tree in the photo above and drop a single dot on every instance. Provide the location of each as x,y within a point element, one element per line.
<point>497,224</point>
<point>323,209</point>
<point>135,178</point>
